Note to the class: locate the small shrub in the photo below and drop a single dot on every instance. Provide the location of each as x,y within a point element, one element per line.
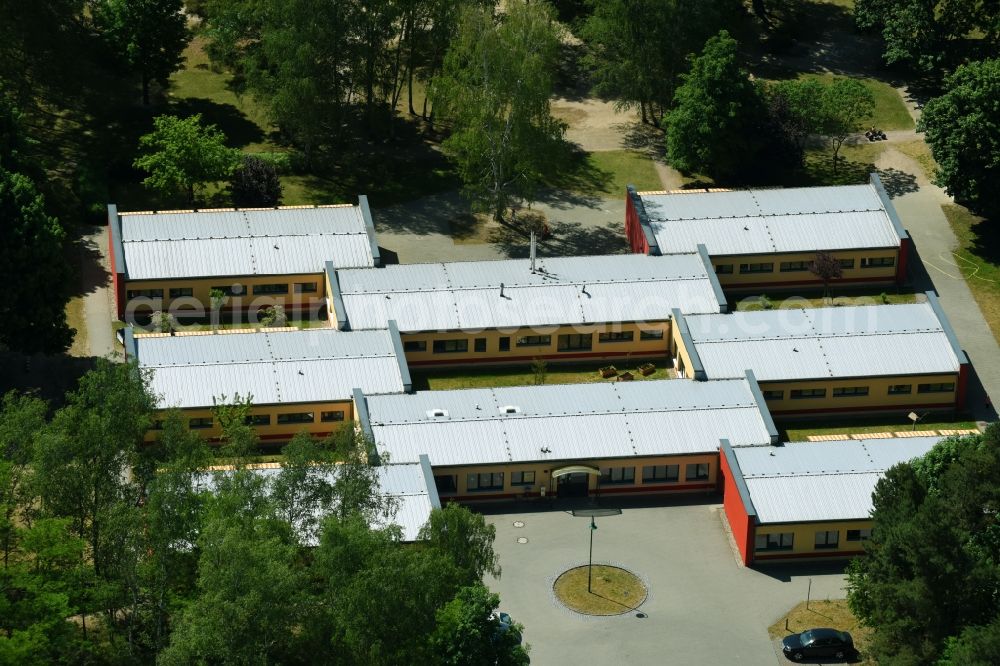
<point>540,368</point>
<point>255,183</point>
<point>274,316</point>
<point>218,297</point>
<point>162,322</point>
<point>765,302</point>
<point>885,297</point>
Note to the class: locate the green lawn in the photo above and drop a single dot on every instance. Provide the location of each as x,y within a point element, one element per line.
<point>576,373</point>
<point>778,301</point>
<point>800,432</point>
<point>853,167</point>
<point>978,259</point>
<point>627,167</point>
<point>890,112</point>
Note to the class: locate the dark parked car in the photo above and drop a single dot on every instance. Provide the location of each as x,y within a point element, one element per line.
<point>818,643</point>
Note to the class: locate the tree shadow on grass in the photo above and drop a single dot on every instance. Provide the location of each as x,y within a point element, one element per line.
<point>240,131</point>
<point>574,180</point>
<point>897,183</point>
<point>568,239</point>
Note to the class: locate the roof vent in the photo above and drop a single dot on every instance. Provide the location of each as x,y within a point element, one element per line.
<point>437,414</point>
<point>510,409</point>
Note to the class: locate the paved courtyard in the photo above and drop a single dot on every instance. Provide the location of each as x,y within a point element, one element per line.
<point>703,608</point>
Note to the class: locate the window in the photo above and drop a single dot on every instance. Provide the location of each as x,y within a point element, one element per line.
<point>231,290</point>
<point>877,262</point>
<point>782,541</point>
<point>303,287</point>
<point>723,269</point>
<point>181,292</point>
<point>270,288</point>
<point>480,344</point>
<point>522,478</point>
<point>505,344</point>
<point>617,475</point>
<point>534,341</point>
<point>575,341</point>
<point>200,424</point>
<point>941,387</point>
<point>415,346</point>
<point>651,335</point>
<point>696,472</point>
<point>258,420</point>
<point>446,483</point>
<point>330,417</point>
<point>829,539</point>
<point>487,481</point>
<point>652,473</point>
<point>296,417</point>
<point>846,263</point>
<point>794,266</point>
<point>617,336</point>
<point>145,293</point>
<point>900,389</point>
<point>774,395</point>
<point>850,391</point>
<point>800,394</point>
<point>859,535</point>
<point>757,268</point>
<point>450,346</point>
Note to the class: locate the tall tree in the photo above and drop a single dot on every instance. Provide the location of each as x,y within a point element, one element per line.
<point>638,50</point>
<point>962,127</point>
<point>466,538</point>
<point>494,90</point>
<point>929,34</point>
<point>255,183</point>
<point>181,154</point>
<point>827,268</point>
<point>794,110</point>
<point>931,566</point>
<point>32,265</point>
<point>469,632</point>
<point>711,128</point>
<point>847,104</point>
<point>149,35</point>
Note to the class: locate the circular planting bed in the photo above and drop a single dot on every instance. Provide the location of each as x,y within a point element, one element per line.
<point>613,590</point>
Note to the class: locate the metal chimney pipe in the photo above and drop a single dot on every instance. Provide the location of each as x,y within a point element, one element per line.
<point>533,251</point>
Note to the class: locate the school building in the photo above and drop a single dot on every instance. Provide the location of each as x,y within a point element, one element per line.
<point>766,239</point>
<point>297,380</point>
<point>516,310</point>
<point>174,260</point>
<point>589,439</point>
<point>816,361</point>
<point>807,499</point>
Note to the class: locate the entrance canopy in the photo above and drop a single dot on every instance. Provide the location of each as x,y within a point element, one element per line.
<point>575,469</point>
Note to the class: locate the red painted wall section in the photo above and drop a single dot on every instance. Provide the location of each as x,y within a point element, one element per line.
<point>905,247</point>
<point>963,386</point>
<point>117,279</point>
<point>636,237</point>
<point>736,513</point>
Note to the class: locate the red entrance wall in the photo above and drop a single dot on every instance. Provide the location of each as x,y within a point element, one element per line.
<point>736,513</point>
<point>633,229</point>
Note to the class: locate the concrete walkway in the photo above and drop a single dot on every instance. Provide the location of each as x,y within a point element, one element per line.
<point>95,284</point>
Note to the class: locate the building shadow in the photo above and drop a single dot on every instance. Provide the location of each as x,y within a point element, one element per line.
<point>89,256</point>
<point>785,571</point>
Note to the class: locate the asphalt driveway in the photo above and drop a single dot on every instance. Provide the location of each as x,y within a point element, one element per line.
<point>702,608</point>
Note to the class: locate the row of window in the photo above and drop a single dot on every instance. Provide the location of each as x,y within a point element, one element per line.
<point>855,391</point>
<point>609,476</point>
<point>232,290</point>
<point>801,266</point>
<point>287,418</point>
<point>569,342</point>
<point>823,539</point>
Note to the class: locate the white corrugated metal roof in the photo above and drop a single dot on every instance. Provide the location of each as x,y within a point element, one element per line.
<point>405,484</point>
<point>574,290</point>
<point>774,220</point>
<point>243,242</point>
<point>816,481</point>
<point>603,420</point>
<point>815,343</point>
<point>312,365</point>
